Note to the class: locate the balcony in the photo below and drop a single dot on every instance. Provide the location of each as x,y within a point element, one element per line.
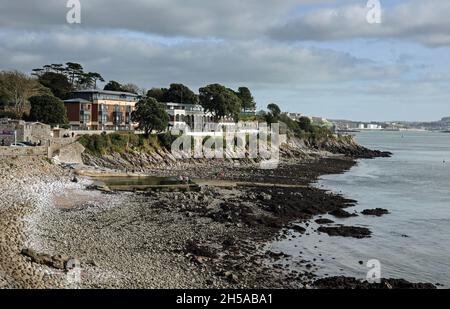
<point>118,117</point>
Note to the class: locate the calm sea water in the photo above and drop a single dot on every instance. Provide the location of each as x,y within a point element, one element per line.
<point>413,242</point>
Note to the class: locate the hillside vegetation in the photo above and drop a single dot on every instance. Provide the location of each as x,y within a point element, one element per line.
<point>104,144</point>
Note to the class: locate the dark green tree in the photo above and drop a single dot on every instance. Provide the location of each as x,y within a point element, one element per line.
<point>57,68</point>
<point>38,72</point>
<point>179,93</point>
<point>93,78</point>
<point>248,102</point>
<point>305,124</point>
<point>220,101</point>
<point>74,72</point>
<point>48,109</point>
<point>113,86</point>
<point>151,116</point>
<point>159,94</point>
<point>274,113</point>
<point>58,84</point>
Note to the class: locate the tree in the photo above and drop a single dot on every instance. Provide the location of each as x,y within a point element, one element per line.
<point>274,109</point>
<point>58,84</point>
<point>16,88</point>
<point>94,77</point>
<point>220,101</point>
<point>159,94</point>
<point>74,71</point>
<point>37,72</point>
<point>131,88</point>
<point>248,102</point>
<point>151,116</point>
<point>305,124</point>
<point>113,86</point>
<point>57,68</point>
<point>47,109</point>
<point>179,93</point>
<point>274,113</point>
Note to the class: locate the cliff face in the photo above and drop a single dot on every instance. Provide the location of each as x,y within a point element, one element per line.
<point>294,149</point>
<point>133,160</point>
<point>347,146</point>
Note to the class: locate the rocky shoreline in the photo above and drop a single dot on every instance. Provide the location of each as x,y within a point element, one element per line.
<point>214,238</point>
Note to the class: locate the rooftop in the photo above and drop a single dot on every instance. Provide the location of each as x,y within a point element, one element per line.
<point>76,100</point>
<point>120,93</point>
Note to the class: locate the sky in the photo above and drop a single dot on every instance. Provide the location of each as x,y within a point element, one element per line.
<point>320,58</point>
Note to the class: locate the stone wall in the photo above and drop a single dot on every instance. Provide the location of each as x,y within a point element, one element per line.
<point>23,151</point>
<point>33,132</point>
<point>38,132</point>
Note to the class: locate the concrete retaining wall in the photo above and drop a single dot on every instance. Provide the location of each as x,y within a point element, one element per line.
<point>70,154</point>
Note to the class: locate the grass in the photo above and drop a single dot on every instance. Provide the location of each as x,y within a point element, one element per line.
<point>123,142</point>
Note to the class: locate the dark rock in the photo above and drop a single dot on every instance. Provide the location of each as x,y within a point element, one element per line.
<point>346,231</point>
<point>340,213</point>
<point>298,229</point>
<point>193,248</point>
<point>375,212</point>
<point>56,261</point>
<point>342,282</point>
<point>324,221</point>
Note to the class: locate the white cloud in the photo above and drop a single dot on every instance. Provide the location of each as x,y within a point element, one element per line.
<point>193,18</point>
<point>425,22</point>
<point>244,42</point>
<point>151,62</point>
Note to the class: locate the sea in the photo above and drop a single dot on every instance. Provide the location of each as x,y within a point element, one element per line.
<point>413,241</point>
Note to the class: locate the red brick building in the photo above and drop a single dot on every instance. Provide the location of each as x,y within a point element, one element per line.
<point>101,110</point>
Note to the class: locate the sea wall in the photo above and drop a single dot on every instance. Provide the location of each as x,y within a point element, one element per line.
<point>23,151</point>
<point>70,153</point>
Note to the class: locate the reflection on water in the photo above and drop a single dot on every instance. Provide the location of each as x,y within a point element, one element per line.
<point>413,242</point>
<point>141,181</point>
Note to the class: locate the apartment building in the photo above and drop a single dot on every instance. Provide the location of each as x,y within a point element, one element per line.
<point>101,110</point>
<point>194,117</point>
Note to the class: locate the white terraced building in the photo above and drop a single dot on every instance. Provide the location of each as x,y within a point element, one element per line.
<point>194,117</point>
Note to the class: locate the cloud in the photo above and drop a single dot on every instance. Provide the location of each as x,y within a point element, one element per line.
<point>256,43</point>
<point>193,18</point>
<point>151,62</point>
<point>418,21</point>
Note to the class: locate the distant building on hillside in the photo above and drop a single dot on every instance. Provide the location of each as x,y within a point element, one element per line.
<point>193,116</point>
<point>294,116</point>
<point>182,115</point>
<point>101,110</point>
<point>369,126</point>
<point>249,112</point>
